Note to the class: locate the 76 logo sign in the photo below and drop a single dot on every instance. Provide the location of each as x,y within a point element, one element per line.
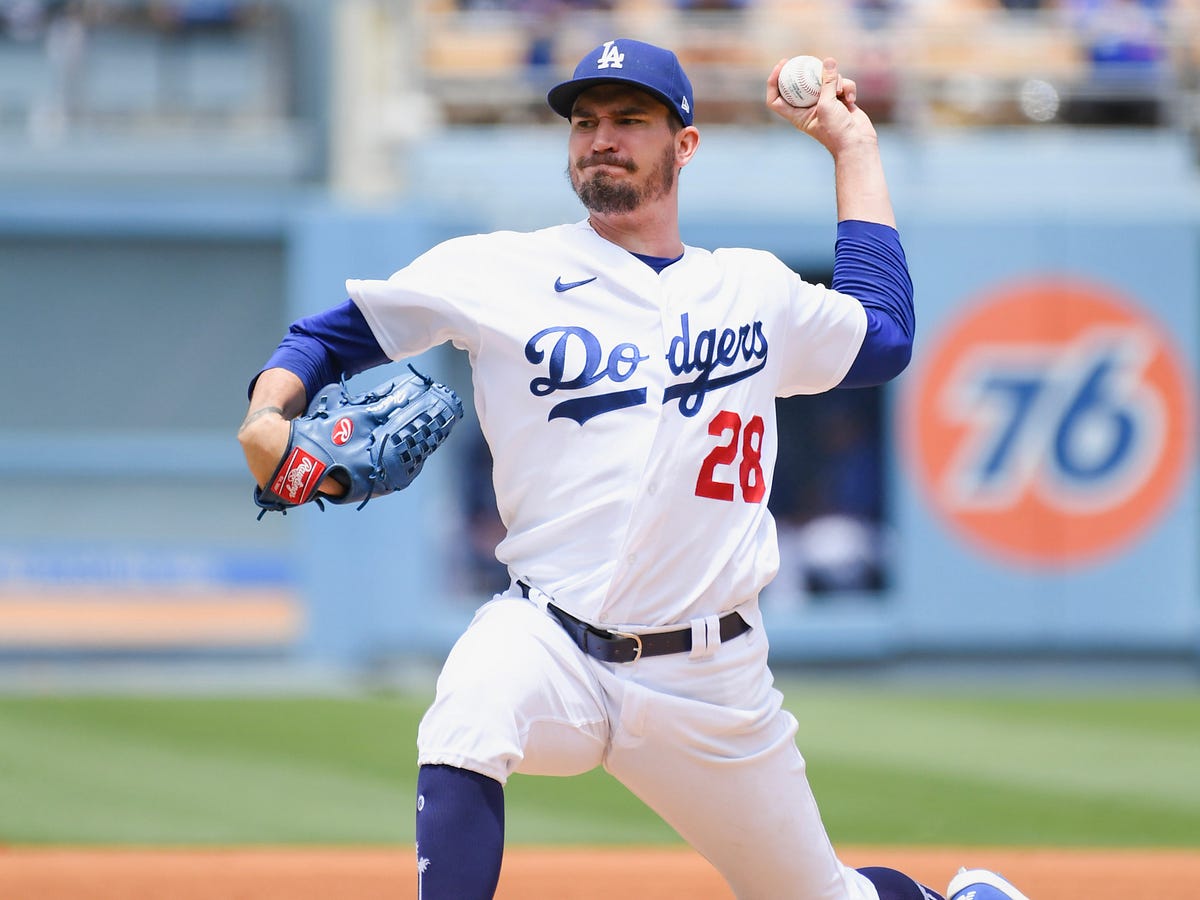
<point>1076,425</point>
<point>1052,423</point>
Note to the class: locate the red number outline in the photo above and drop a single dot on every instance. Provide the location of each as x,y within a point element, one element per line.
<point>751,466</point>
<point>726,454</point>
<point>720,455</point>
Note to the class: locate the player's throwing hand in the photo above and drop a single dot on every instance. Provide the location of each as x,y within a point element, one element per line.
<point>835,120</point>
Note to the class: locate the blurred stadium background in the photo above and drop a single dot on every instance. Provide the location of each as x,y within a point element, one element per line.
<point>179,180</point>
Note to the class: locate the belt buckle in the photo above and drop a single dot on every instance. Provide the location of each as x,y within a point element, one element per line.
<point>637,641</point>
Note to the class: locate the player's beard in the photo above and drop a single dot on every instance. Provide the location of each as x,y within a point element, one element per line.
<point>599,192</point>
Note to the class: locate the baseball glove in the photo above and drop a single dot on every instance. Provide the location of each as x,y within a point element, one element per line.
<point>372,444</point>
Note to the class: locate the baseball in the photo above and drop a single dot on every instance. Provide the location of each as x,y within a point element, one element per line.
<point>800,80</point>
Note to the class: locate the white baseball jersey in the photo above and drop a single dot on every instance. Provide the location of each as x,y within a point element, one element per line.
<point>630,414</point>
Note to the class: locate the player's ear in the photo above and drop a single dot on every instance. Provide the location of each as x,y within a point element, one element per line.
<point>687,139</point>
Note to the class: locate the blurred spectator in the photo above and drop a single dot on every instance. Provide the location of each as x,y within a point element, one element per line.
<point>482,574</point>
<point>1126,45</point>
<point>1021,5</point>
<point>875,67</point>
<point>66,45</point>
<point>839,553</point>
<point>712,5</point>
<point>830,456</point>
<point>828,496</point>
<point>1122,35</point>
<point>524,5</point>
<point>874,15</point>
<point>542,22</point>
<point>197,15</point>
<point>23,20</point>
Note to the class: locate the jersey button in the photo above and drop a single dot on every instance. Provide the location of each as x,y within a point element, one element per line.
<point>652,488</point>
<point>631,558</point>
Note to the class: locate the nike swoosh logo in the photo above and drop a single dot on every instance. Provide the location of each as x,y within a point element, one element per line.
<point>560,285</point>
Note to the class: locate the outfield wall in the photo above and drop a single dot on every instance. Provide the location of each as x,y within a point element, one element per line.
<point>1041,482</point>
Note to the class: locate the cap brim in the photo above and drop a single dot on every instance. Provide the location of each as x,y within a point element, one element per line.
<point>562,97</point>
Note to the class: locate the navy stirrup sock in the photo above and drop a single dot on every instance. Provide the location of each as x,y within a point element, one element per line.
<point>460,834</point>
<point>893,885</point>
<point>460,840</point>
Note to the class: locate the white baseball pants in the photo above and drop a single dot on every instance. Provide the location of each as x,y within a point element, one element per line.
<point>703,740</point>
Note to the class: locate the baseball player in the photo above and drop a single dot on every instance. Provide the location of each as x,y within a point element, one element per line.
<point>626,383</point>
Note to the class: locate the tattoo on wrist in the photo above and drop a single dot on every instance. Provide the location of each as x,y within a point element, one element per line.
<point>262,410</point>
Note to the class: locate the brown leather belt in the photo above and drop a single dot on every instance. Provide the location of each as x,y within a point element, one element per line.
<point>623,646</point>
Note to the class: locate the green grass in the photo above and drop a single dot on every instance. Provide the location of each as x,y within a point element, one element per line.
<point>1074,769</point>
<point>888,766</point>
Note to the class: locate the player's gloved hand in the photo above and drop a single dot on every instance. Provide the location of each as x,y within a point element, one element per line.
<point>372,444</point>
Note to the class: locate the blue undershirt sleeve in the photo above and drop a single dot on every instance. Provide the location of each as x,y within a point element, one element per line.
<point>869,265</point>
<point>322,348</point>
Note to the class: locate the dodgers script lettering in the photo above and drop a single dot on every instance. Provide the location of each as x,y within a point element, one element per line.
<point>710,351</point>
<point>576,360</point>
<point>619,364</point>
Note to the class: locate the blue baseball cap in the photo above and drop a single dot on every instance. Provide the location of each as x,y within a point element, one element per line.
<point>625,61</point>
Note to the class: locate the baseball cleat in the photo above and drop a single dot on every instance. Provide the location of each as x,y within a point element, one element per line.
<point>980,884</point>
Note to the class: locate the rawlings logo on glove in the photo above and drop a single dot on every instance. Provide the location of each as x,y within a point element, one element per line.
<point>372,444</point>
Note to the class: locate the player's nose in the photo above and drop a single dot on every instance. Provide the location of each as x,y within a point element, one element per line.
<point>604,136</point>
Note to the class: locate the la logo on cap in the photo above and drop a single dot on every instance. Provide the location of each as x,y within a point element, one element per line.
<point>611,56</point>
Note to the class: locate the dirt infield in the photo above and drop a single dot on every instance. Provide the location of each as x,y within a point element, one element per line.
<point>561,874</point>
